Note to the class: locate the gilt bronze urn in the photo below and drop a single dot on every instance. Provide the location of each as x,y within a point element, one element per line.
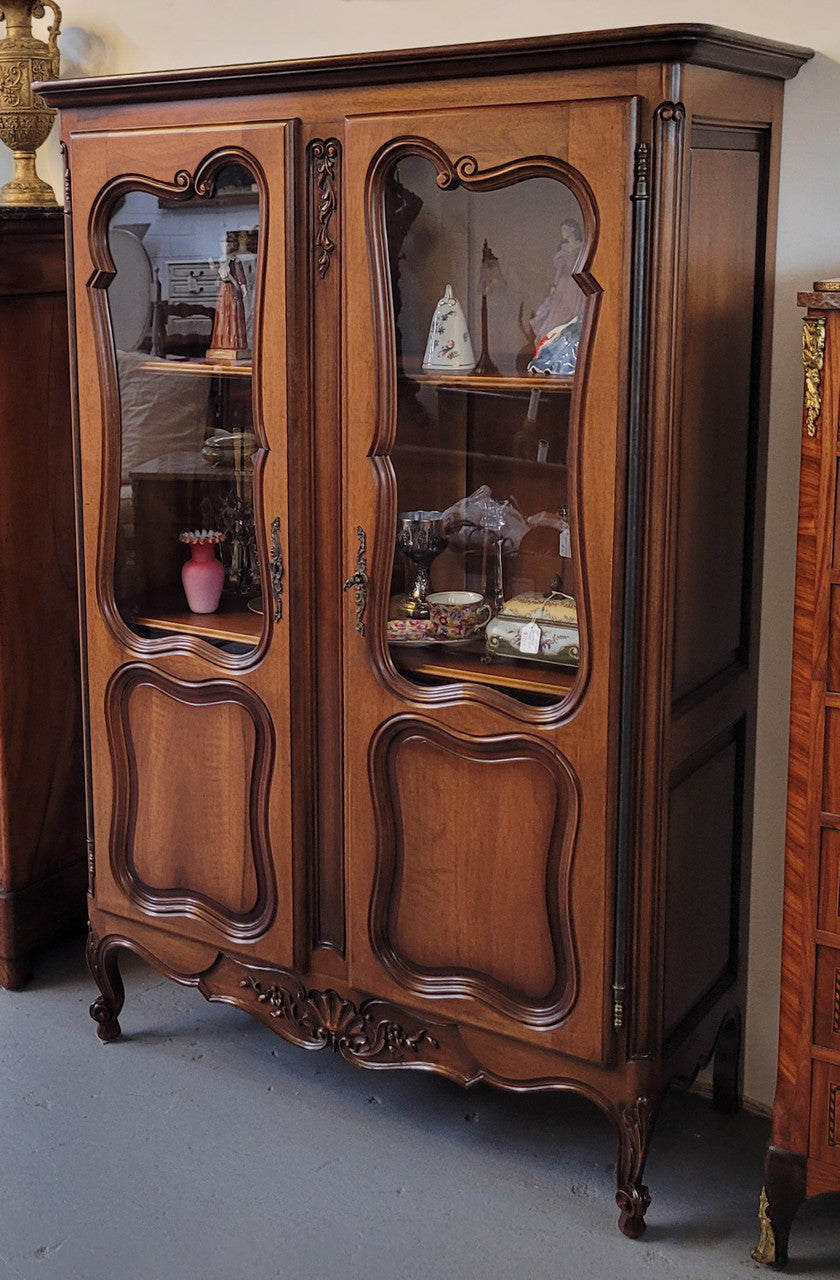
<point>25,119</point>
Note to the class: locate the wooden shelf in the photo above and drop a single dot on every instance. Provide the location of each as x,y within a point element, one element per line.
<point>186,466</point>
<point>202,368</point>
<point>468,663</point>
<point>497,384</point>
<point>503,459</point>
<point>166,611</point>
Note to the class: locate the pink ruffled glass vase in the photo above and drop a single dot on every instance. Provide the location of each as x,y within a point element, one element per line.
<point>203,575</point>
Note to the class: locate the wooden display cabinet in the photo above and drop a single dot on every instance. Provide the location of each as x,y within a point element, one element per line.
<point>520,864</point>
<point>803,1155</point>
<point>42,794</point>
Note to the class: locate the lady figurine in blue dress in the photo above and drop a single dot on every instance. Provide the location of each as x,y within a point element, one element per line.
<point>557,321</point>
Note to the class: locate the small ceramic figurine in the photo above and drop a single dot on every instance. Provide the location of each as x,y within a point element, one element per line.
<point>449,345</point>
<point>229,340</point>
<point>557,352</point>
<point>565,299</point>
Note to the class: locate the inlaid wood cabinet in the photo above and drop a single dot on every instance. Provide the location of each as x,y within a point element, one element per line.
<point>803,1155</point>
<point>456,774</point>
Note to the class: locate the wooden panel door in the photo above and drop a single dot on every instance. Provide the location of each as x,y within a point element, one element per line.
<point>482,762</point>
<point>184,453</point>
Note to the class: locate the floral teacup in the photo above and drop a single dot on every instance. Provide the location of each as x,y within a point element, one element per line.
<point>456,615</point>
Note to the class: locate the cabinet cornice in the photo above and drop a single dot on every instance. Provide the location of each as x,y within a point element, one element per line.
<point>697,43</point>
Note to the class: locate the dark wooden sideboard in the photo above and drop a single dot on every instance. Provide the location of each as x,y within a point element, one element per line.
<point>42,836</point>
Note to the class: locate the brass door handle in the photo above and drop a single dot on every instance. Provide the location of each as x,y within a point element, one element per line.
<point>359,580</point>
<point>277,569</point>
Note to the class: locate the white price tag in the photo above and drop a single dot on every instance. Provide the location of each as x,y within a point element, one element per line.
<point>529,638</point>
<point>565,548</point>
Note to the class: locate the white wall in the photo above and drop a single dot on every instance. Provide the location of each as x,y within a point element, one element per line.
<point>103,36</point>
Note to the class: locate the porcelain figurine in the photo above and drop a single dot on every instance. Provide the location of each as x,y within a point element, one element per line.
<point>449,345</point>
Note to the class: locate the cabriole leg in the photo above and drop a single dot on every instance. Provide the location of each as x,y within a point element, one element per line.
<point>104,968</point>
<point>635,1127</point>
<point>781,1196</point>
<point>726,1070</point>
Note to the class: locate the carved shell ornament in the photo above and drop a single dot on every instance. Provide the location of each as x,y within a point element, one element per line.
<point>326,1019</point>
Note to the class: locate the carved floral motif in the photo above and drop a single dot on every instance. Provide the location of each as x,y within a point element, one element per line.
<point>324,1018</point>
<point>671,111</point>
<point>326,156</point>
<point>632,1196</point>
<point>277,569</point>
<point>359,581</point>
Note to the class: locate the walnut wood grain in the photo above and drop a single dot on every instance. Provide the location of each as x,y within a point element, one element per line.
<point>512,945</point>
<point>416,866</point>
<point>208,855</point>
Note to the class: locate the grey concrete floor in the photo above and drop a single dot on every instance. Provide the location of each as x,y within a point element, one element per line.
<point>202,1147</point>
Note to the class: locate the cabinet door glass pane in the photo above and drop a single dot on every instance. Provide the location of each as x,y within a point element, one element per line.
<point>181,306</point>
<point>490,320</point>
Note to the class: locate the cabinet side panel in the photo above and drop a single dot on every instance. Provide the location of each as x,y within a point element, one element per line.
<point>701,934</point>
<point>40,694</point>
<point>716,481</point>
<point>42,829</point>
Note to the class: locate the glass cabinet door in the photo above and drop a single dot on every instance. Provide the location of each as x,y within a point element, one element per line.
<point>492,311</point>
<point>181,313</point>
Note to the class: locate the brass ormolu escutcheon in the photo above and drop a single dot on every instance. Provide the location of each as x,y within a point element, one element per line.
<point>813,354</point>
<point>359,581</point>
<point>277,569</point>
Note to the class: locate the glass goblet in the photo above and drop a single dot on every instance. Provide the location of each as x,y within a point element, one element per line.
<point>420,537</point>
